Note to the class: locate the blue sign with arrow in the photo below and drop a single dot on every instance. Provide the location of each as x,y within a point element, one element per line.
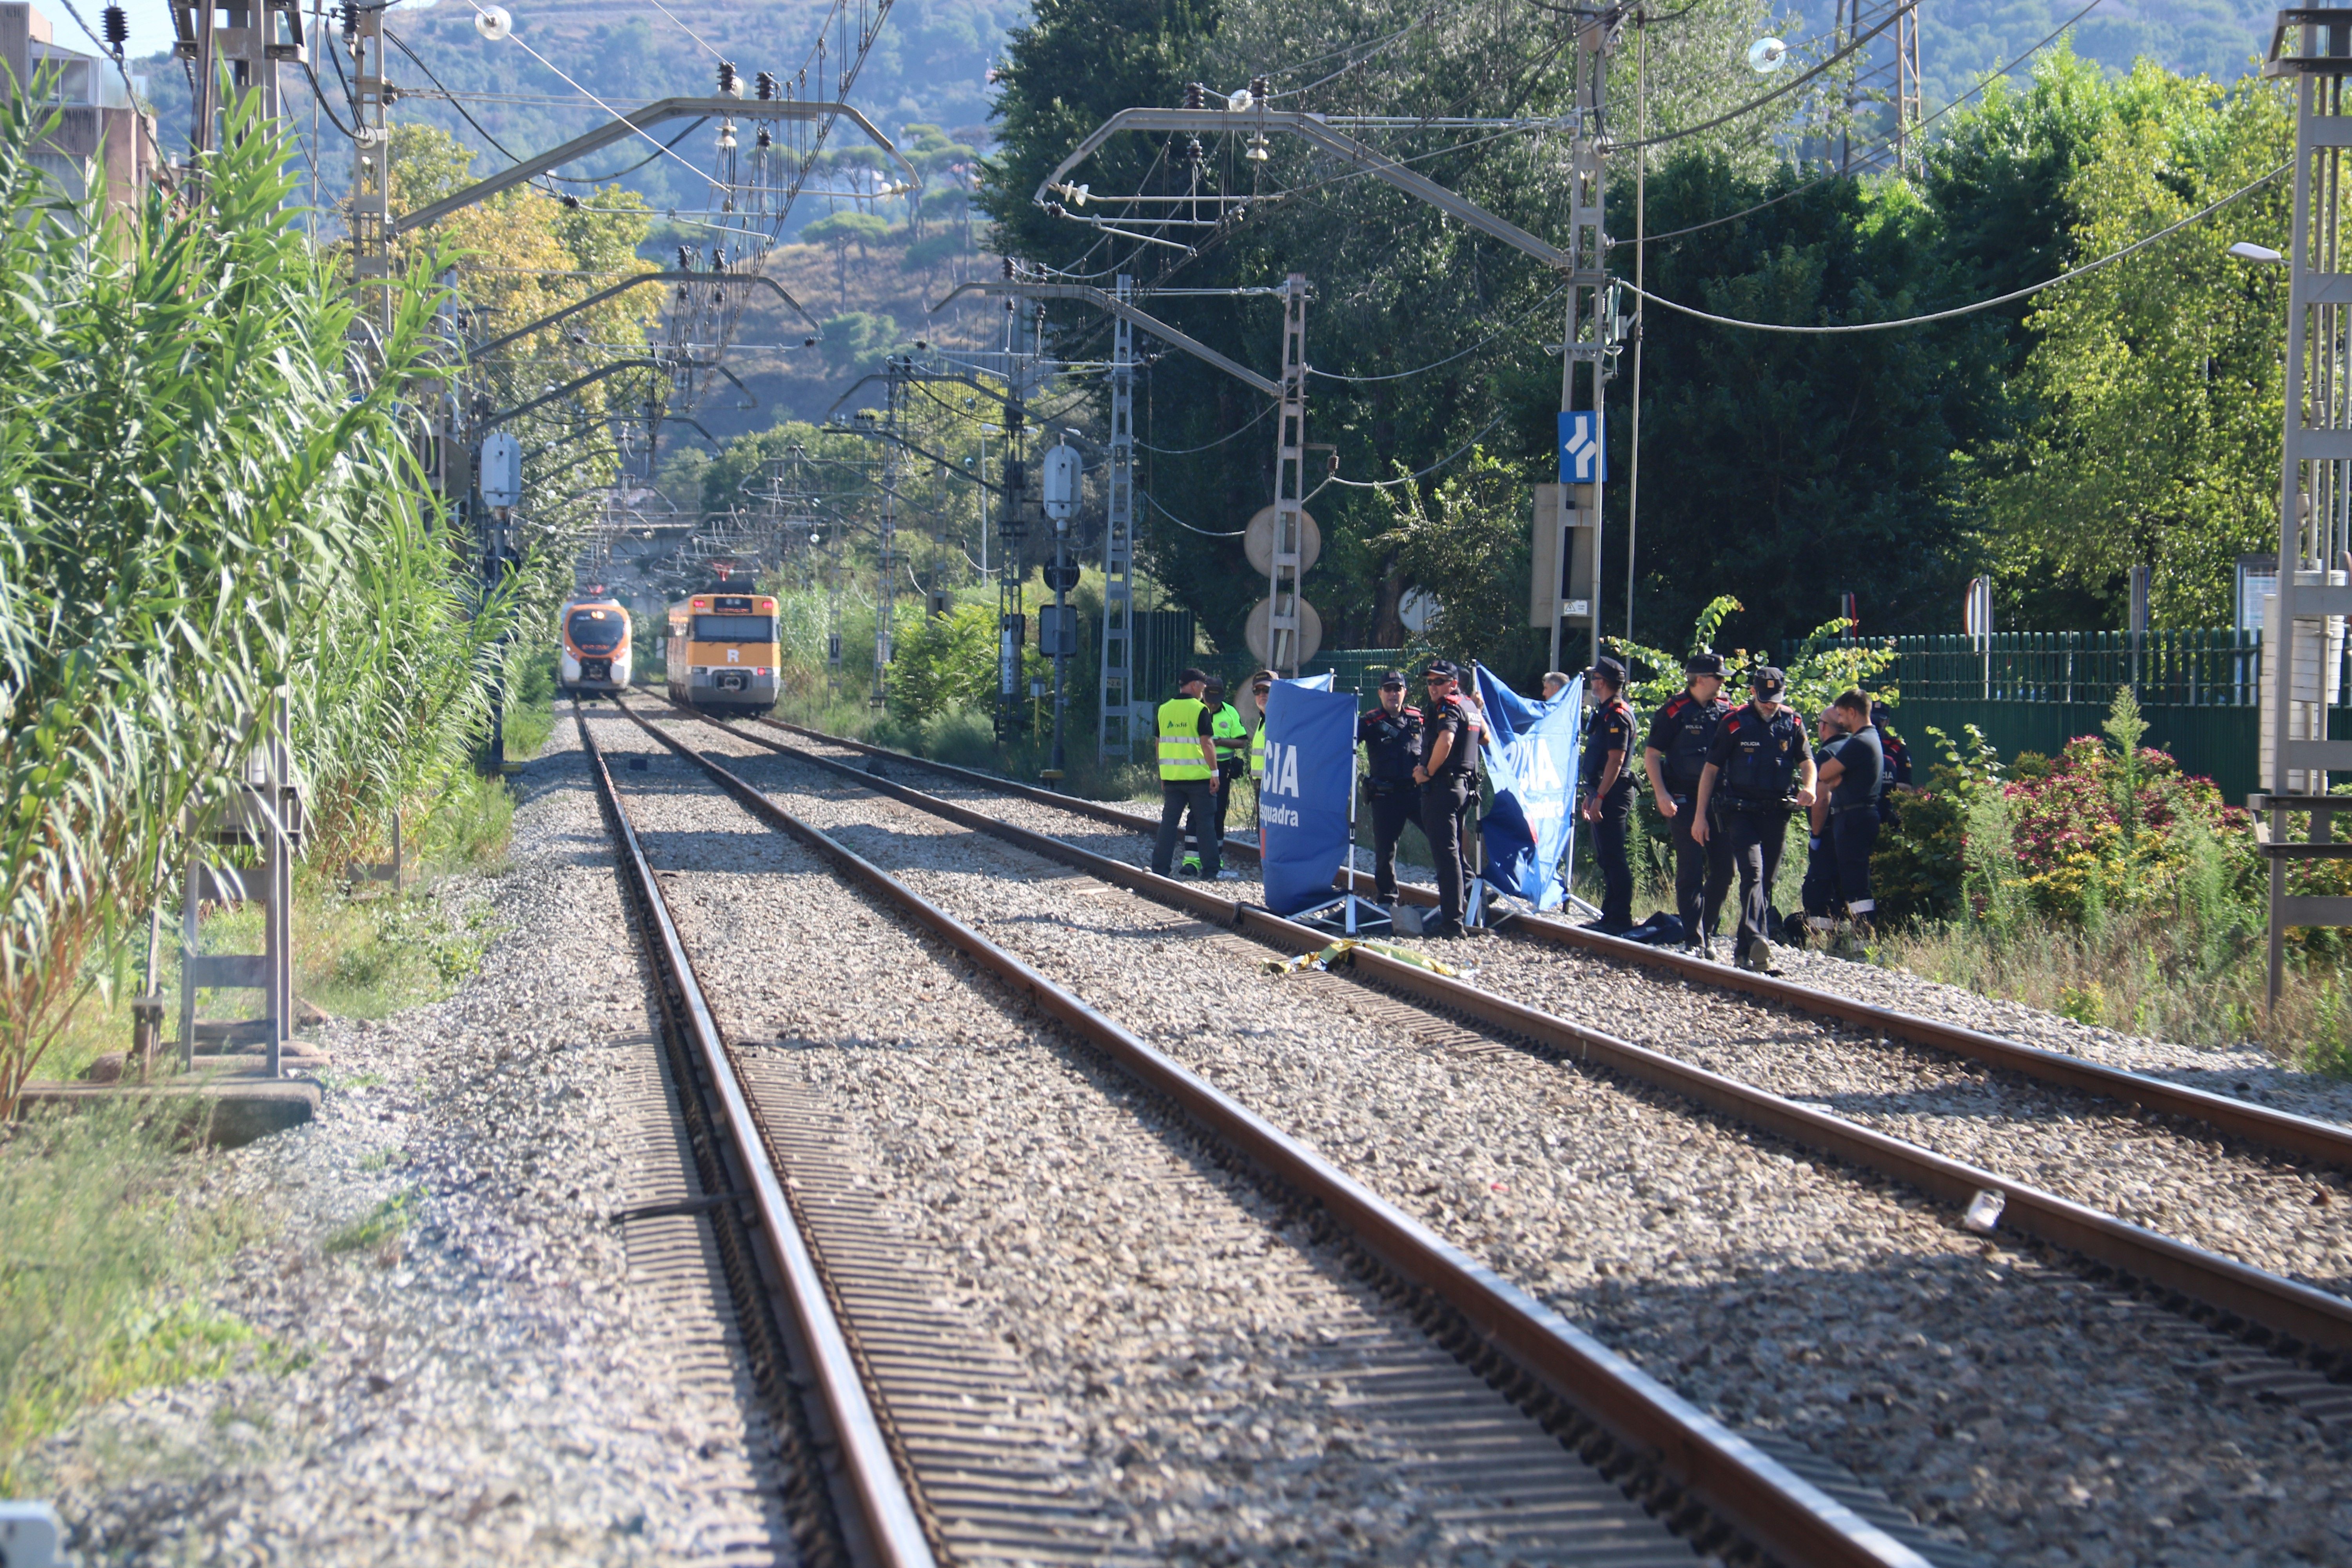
<point>1584,455</point>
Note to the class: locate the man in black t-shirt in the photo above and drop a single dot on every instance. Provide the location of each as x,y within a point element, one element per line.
<point>1853,779</point>
<point>1605,791</point>
<point>1447,775</point>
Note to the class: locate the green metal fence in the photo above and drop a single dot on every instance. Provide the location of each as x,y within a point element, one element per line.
<point>2034,691</point>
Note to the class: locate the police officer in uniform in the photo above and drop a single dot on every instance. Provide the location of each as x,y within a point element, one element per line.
<point>1758,758</point>
<point>1855,780</point>
<point>1188,772</point>
<point>1390,733</point>
<point>1674,756</point>
<point>1261,684</point>
<point>1448,777</point>
<point>1232,740</point>
<point>1607,792</point>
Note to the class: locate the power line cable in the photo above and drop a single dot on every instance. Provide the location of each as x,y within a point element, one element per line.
<point>1408,478</point>
<point>1440,364</point>
<point>2015,294</point>
<point>682,28</point>
<point>1827,174</point>
<point>1203,533</point>
<point>1242,429</point>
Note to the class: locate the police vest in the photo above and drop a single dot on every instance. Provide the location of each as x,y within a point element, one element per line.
<point>1180,741</point>
<point>1231,732</point>
<point>1257,750</point>
<point>1687,725</point>
<point>1764,753</point>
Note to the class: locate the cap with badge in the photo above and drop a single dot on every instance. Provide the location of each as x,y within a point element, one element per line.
<point>1610,670</point>
<point>1393,680</point>
<point>1769,681</point>
<point>1440,670</point>
<point>1703,664</point>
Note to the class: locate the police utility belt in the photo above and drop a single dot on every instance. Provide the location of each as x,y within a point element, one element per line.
<point>1385,789</point>
<point>1853,806</point>
<point>1747,804</point>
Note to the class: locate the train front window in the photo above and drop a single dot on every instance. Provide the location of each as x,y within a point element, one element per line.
<point>734,629</point>
<point>597,631</point>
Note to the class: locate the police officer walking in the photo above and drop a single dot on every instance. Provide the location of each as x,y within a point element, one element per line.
<point>1607,793</point>
<point>1758,761</point>
<point>1674,757</point>
<point>1448,777</point>
<point>1855,780</point>
<point>1390,733</point>
<point>1187,772</point>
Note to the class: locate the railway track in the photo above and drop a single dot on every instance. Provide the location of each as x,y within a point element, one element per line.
<point>2309,1325</point>
<point>2159,1155</point>
<point>1542,1470</point>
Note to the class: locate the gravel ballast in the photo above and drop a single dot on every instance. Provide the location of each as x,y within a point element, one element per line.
<point>1206,1380</point>
<point>1987,1387</point>
<point>486,1380</point>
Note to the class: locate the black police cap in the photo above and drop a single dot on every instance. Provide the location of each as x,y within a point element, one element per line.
<point>1769,680</point>
<point>1703,664</point>
<point>1440,670</point>
<point>1394,677</point>
<point>1610,670</point>
<point>1186,676</point>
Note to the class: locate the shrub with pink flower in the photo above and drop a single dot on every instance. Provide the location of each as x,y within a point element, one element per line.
<point>2095,831</point>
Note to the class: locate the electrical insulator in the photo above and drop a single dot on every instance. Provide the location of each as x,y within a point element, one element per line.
<point>729,84</point>
<point>766,83</point>
<point>1258,88</point>
<point>1053,209</point>
<point>351,22</point>
<point>571,203</point>
<point>116,26</point>
<point>1008,278</point>
<point>685,260</point>
<point>718,259</point>
<point>1192,151</point>
<point>1195,95</point>
<point>727,136</point>
<point>765,140</point>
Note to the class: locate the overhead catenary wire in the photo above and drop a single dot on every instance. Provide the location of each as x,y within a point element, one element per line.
<point>1407,479</point>
<point>1203,533</point>
<point>2009,298</point>
<point>1498,332</point>
<point>1242,429</point>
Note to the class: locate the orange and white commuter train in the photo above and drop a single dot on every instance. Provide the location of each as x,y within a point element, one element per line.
<point>723,653</point>
<point>594,632</point>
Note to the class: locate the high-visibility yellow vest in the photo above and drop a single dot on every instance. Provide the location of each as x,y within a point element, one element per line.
<point>1180,741</point>
<point>1231,732</point>
<point>1257,750</point>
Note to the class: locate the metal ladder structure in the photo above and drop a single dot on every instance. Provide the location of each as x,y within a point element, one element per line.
<point>1115,723</point>
<point>1283,641</point>
<point>2302,627</point>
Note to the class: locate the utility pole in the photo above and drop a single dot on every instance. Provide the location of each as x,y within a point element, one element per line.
<point>371,198</point>
<point>1114,721</point>
<point>248,38</point>
<point>1283,639</point>
<point>884,597</point>
<point>2302,627</point>
<point>1895,81</point>
<point>1573,556</point>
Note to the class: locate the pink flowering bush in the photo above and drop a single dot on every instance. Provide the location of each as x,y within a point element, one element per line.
<point>2096,834</point>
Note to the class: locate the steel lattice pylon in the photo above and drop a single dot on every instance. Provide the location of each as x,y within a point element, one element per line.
<point>1115,711</point>
<point>1881,77</point>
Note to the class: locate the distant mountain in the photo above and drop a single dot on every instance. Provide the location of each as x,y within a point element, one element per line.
<point>1961,40</point>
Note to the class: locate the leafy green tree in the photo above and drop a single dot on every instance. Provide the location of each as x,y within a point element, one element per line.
<point>2159,381</point>
<point>841,230</point>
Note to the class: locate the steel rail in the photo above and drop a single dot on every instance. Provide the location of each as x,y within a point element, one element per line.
<point>2279,1132</point>
<point>2295,1315</point>
<point>892,1532</point>
<point>1744,1488</point>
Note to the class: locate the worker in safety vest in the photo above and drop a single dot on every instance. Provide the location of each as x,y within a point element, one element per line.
<point>1261,684</point>
<point>1188,777</point>
<point>1232,740</point>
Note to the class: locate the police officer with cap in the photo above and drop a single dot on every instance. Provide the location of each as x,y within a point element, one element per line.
<point>1188,774</point>
<point>1674,756</point>
<point>1607,793</point>
<point>1448,777</point>
<point>1390,733</point>
<point>1855,780</point>
<point>1758,770</point>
